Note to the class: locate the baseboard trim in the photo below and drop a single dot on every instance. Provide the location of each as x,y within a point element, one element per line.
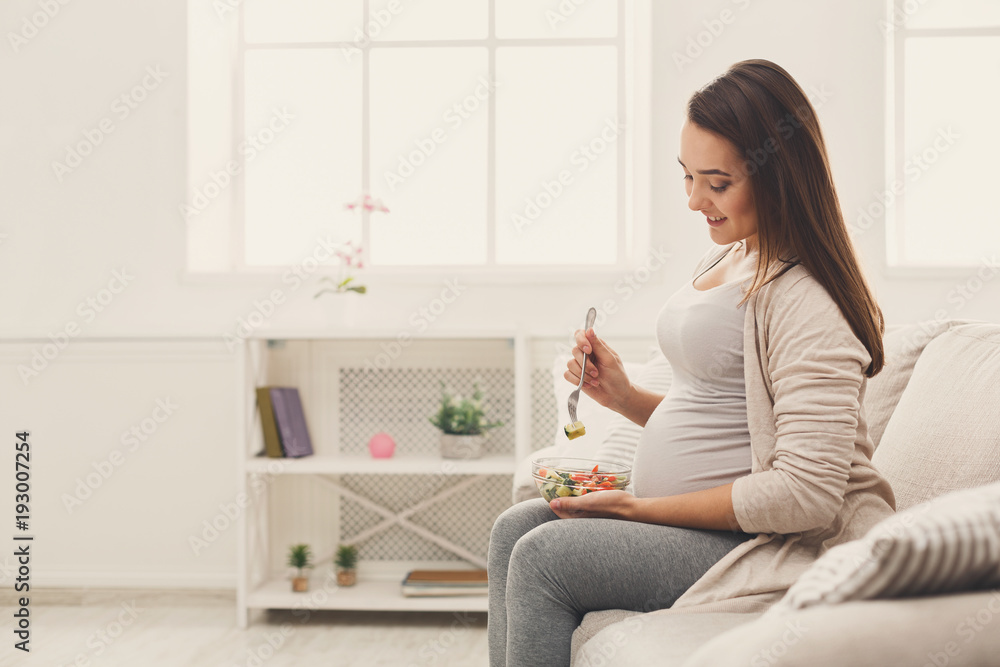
<point>151,580</point>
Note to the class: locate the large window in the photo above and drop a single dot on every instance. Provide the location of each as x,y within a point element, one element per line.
<point>502,136</point>
<point>944,138</point>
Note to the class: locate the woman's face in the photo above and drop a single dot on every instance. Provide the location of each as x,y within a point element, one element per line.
<point>717,186</point>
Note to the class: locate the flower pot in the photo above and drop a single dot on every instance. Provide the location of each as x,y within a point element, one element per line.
<point>300,584</point>
<point>461,446</point>
<point>341,309</point>
<point>347,577</point>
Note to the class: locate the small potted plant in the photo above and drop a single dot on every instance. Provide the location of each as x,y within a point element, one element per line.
<point>346,561</point>
<point>300,557</point>
<point>463,424</point>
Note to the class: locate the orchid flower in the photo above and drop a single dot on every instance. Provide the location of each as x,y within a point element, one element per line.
<point>368,203</point>
<point>350,256</point>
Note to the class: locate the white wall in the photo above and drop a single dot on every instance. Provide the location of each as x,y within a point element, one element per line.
<point>118,209</point>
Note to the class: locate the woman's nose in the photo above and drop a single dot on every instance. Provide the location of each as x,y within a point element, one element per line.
<point>697,200</point>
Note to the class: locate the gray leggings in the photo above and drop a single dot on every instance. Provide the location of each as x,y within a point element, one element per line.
<point>546,573</point>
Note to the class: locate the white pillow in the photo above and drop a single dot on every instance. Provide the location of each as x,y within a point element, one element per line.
<point>623,435</point>
<point>948,544</point>
<point>596,418</point>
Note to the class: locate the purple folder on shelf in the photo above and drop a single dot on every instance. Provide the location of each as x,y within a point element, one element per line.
<point>291,422</point>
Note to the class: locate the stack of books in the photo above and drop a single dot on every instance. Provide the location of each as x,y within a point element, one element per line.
<point>420,583</point>
<point>284,422</point>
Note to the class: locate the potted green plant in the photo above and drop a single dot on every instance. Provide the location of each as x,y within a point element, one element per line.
<point>463,424</point>
<point>346,561</point>
<point>300,557</point>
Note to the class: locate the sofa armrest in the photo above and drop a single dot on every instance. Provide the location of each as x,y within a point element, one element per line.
<point>959,630</point>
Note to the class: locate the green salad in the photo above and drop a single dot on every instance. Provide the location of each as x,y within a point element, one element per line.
<point>559,484</point>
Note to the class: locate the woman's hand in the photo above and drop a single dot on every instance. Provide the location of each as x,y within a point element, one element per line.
<point>606,381</point>
<point>599,504</point>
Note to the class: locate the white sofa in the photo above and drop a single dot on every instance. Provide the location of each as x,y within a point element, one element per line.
<point>934,415</point>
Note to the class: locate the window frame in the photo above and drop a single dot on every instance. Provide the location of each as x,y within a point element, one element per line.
<point>897,32</point>
<point>633,153</point>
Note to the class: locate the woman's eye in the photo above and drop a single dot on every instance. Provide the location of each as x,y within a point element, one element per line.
<point>688,177</point>
<point>721,188</point>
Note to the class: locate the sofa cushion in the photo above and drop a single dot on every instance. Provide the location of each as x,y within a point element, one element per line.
<point>948,544</point>
<point>662,639</point>
<point>593,623</point>
<point>944,434</point>
<point>958,630</point>
<point>902,346</point>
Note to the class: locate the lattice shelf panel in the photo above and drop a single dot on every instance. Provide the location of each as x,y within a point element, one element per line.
<point>400,401</point>
<point>544,415</point>
<point>464,519</point>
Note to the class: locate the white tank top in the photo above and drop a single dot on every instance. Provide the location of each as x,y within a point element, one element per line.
<point>697,437</point>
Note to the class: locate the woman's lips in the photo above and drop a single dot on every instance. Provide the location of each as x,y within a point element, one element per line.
<point>715,223</point>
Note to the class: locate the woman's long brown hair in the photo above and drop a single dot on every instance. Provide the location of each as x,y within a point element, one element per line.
<point>763,112</point>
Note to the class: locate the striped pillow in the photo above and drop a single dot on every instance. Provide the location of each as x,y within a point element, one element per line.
<point>623,434</point>
<point>948,544</point>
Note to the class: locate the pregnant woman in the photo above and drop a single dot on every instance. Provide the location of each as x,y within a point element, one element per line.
<point>758,458</point>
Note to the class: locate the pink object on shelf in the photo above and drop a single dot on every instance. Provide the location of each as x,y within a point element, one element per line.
<point>381,446</point>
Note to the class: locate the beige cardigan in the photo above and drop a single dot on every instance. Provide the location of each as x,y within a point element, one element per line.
<point>811,484</point>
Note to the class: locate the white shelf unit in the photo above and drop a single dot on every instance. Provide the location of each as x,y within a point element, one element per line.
<point>268,484</point>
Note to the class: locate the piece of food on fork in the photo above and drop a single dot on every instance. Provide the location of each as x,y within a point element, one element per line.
<point>575,428</point>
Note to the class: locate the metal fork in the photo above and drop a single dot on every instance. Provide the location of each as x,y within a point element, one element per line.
<point>574,397</point>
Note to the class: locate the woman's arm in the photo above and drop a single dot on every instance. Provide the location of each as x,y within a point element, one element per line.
<point>638,404</point>
<point>709,509</point>
<point>816,367</point>
<point>607,382</point>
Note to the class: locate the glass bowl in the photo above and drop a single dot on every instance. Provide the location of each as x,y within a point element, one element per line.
<point>557,476</point>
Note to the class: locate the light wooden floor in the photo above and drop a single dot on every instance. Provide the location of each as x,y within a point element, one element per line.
<point>197,629</point>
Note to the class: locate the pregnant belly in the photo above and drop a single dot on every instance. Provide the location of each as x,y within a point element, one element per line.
<point>689,445</point>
